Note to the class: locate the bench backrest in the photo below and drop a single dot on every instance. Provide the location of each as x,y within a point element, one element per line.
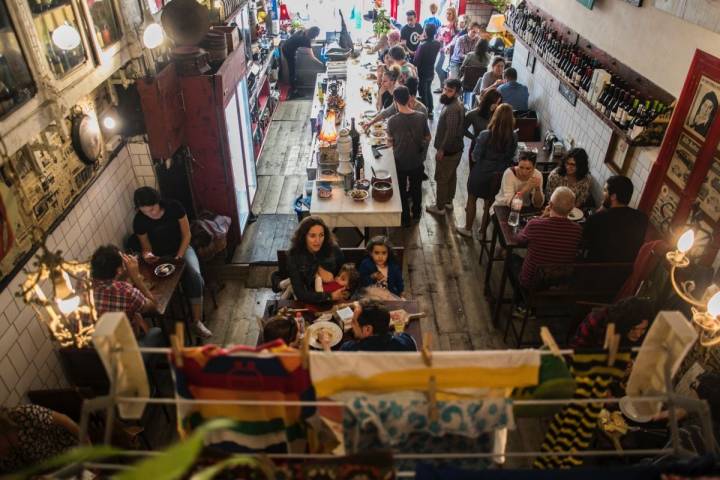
<point>352,255</point>
<point>580,281</point>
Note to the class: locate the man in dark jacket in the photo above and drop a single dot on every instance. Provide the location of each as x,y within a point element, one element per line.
<point>303,38</point>
<point>424,60</point>
<point>449,145</point>
<point>371,329</point>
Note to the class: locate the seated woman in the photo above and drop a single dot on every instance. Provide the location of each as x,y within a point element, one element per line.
<point>523,180</point>
<point>573,173</point>
<point>30,434</point>
<point>313,251</point>
<point>632,318</point>
<point>371,329</point>
<point>163,229</point>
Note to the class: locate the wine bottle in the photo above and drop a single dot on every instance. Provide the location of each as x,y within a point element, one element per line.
<point>355,137</point>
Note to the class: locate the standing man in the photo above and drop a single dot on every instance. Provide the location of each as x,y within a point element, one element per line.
<point>425,62</point>
<point>462,46</point>
<point>303,38</point>
<point>615,232</point>
<point>433,19</point>
<point>409,135</point>
<point>449,145</point>
<point>411,32</point>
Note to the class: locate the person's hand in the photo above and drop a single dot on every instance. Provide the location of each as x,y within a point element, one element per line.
<point>323,339</point>
<point>533,183</point>
<point>378,276</point>
<point>150,257</point>
<point>546,212</point>
<point>497,83</point>
<point>340,294</point>
<point>439,155</point>
<point>130,263</point>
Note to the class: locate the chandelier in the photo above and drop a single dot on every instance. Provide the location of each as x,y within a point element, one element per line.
<point>67,308</point>
<point>704,311</point>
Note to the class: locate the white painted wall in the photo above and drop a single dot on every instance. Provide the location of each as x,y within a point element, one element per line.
<point>579,123</point>
<point>657,45</point>
<point>103,215</point>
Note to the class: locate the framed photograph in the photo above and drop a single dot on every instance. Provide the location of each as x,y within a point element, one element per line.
<point>683,160</point>
<point>709,193</point>
<point>664,209</point>
<point>618,155</point>
<point>704,107</point>
<point>530,63</point>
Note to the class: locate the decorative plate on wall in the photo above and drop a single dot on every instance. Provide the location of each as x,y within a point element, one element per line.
<point>86,138</point>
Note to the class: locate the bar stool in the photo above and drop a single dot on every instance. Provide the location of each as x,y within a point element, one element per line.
<point>487,203</point>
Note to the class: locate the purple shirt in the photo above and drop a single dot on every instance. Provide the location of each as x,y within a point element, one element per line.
<point>463,46</point>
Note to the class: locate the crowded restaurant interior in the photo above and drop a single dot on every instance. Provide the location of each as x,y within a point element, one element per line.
<point>360,239</point>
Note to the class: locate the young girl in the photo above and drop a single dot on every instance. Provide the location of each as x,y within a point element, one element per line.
<point>380,268</point>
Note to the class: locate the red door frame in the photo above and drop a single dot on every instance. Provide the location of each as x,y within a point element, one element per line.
<point>703,64</point>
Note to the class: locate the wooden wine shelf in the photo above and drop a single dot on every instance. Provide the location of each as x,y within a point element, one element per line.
<point>616,130</point>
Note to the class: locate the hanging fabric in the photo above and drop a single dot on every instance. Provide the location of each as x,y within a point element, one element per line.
<point>418,6</point>
<point>573,428</point>
<point>379,372</point>
<point>213,373</point>
<point>462,5</point>
<point>394,8</point>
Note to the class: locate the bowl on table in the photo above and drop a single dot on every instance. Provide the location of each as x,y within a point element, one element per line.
<point>324,191</point>
<point>381,175</point>
<point>164,270</point>
<point>576,214</point>
<point>382,191</point>
<point>363,184</point>
<point>359,195</point>
<point>331,329</point>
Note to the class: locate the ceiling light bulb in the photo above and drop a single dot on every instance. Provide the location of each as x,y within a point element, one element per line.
<point>66,37</point>
<point>109,123</point>
<point>685,242</point>
<point>713,306</point>
<point>153,36</point>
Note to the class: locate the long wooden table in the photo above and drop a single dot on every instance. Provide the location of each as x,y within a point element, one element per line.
<point>340,210</point>
<point>410,306</point>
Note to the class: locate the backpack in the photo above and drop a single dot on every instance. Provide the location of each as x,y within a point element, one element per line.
<point>209,234</point>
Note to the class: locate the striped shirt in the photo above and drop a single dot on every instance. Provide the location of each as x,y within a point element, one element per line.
<point>550,240</point>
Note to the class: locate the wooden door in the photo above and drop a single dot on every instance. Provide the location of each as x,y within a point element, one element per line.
<point>683,188</point>
<point>163,109</point>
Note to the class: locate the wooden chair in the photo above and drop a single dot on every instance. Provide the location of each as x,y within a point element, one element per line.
<point>352,255</point>
<point>559,287</point>
<point>485,221</point>
<point>469,80</point>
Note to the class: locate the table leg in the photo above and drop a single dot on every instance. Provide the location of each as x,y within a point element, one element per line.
<point>501,293</point>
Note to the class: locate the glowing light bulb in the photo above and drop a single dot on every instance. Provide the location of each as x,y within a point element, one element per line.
<point>153,36</point>
<point>68,305</point>
<point>66,37</point>
<point>713,306</point>
<point>685,242</point>
<point>109,123</point>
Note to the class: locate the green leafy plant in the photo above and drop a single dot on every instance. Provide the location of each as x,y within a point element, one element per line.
<point>381,25</point>
<point>499,5</point>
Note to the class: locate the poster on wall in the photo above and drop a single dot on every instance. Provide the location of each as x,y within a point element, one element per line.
<point>709,193</point>
<point>664,209</point>
<point>7,239</point>
<point>683,160</point>
<point>704,107</point>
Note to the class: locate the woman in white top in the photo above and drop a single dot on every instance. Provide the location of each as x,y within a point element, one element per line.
<point>523,179</point>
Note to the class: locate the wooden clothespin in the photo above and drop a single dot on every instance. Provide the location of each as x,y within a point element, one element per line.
<point>426,352</point>
<point>305,351</point>
<point>609,333</point>
<point>614,345</point>
<point>549,341</point>
<point>177,342</point>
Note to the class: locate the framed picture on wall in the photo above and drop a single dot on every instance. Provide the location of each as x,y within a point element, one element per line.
<point>683,160</point>
<point>618,155</point>
<point>704,107</point>
<point>709,193</point>
<point>664,209</point>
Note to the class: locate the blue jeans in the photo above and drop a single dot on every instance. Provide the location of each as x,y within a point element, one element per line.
<point>442,74</point>
<point>192,281</point>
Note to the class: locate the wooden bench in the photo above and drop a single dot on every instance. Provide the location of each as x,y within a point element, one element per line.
<point>560,287</point>
<point>352,255</point>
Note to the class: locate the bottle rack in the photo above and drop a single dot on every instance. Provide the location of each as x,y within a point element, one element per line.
<point>653,133</point>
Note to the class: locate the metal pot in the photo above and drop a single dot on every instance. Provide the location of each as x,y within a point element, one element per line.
<point>381,176</point>
<point>382,191</point>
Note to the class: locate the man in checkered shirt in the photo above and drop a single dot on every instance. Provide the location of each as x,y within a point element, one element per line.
<point>118,287</point>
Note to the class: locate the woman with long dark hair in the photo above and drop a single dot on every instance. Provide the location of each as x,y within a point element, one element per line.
<point>478,57</point>
<point>493,153</point>
<point>163,229</point>
<point>573,173</point>
<point>314,252</point>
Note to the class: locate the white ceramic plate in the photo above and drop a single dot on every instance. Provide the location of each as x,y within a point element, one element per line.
<point>164,270</point>
<point>576,214</point>
<point>336,333</point>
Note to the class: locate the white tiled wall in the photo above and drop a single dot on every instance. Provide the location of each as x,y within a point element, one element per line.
<point>580,123</point>
<point>103,215</point>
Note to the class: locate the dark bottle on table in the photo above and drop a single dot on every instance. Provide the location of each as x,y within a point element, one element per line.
<point>355,137</point>
<point>359,166</point>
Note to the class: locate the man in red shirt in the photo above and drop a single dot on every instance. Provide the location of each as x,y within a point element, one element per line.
<point>110,270</point>
<point>550,239</point>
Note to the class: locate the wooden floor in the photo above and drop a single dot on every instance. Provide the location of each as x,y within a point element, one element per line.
<point>441,267</point>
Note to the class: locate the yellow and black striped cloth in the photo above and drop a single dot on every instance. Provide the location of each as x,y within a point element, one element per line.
<point>573,428</point>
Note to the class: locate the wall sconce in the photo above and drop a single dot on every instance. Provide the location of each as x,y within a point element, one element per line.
<point>69,310</point>
<point>705,312</point>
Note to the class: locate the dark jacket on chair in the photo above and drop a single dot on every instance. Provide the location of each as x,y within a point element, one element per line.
<point>302,267</point>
